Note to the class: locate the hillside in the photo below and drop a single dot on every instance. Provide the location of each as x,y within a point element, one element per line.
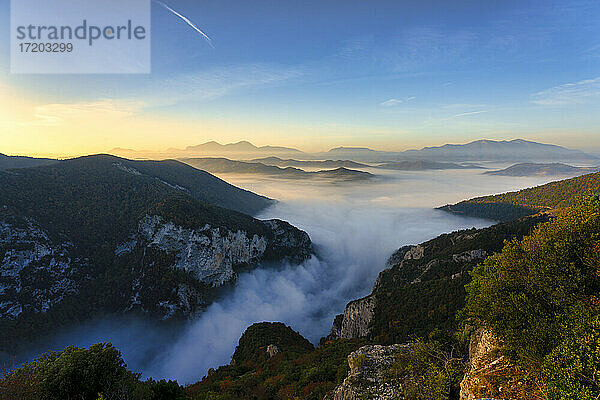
<point>423,165</point>
<point>7,162</point>
<point>102,234</point>
<point>343,174</point>
<point>421,291</point>
<point>224,166</point>
<point>533,169</point>
<point>527,326</point>
<point>507,206</point>
<point>330,164</point>
<point>512,339</point>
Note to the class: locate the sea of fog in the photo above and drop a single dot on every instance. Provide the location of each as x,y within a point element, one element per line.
<point>354,227</point>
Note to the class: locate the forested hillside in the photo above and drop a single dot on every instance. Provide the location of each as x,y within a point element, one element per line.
<point>512,205</point>
<point>102,234</point>
<point>536,294</point>
<point>7,162</point>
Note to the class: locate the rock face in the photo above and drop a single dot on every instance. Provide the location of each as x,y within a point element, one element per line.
<point>491,375</point>
<point>272,350</point>
<point>367,376</point>
<point>209,254</point>
<point>36,272</point>
<point>423,285</point>
<point>415,253</point>
<point>354,323</point>
<point>482,363</point>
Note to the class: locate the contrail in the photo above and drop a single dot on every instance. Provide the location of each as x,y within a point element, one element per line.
<point>187,21</point>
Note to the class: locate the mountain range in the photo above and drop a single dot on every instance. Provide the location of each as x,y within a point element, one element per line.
<point>330,164</point>
<point>418,334</point>
<point>239,147</point>
<point>226,166</point>
<point>424,165</point>
<point>517,150</point>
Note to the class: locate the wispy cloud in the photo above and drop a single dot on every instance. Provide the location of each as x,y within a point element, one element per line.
<point>569,94</point>
<point>462,106</point>
<point>216,82</point>
<point>58,113</point>
<point>187,21</point>
<point>470,113</point>
<point>395,102</point>
<point>426,46</point>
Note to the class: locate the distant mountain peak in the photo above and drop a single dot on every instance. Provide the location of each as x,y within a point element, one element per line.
<point>350,148</point>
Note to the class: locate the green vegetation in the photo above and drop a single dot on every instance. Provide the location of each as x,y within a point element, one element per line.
<point>416,297</point>
<point>540,296</point>
<point>252,346</point>
<point>512,205</point>
<point>87,374</point>
<point>297,371</point>
<point>8,162</point>
<point>430,368</point>
<point>538,291</point>
<point>224,165</point>
<point>95,203</point>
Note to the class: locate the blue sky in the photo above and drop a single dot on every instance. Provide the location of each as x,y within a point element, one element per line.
<point>316,74</point>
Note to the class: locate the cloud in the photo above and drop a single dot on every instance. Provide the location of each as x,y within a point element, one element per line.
<point>581,92</point>
<point>58,113</point>
<point>187,21</point>
<point>454,106</point>
<point>216,82</point>
<point>427,46</point>
<point>470,113</point>
<point>395,102</point>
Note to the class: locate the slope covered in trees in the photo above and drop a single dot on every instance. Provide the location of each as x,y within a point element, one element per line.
<point>513,205</point>
<point>102,234</point>
<point>540,297</point>
<point>8,162</point>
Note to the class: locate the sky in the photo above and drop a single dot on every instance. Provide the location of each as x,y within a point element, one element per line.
<point>389,75</point>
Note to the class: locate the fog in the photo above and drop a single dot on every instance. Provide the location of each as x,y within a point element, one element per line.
<point>354,228</point>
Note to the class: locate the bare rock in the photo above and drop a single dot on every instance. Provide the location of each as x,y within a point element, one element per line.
<point>272,350</point>
<point>367,376</point>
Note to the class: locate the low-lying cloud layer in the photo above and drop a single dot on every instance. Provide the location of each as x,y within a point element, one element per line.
<point>354,228</point>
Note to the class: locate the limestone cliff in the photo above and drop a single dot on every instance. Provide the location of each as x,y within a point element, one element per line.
<point>39,270</point>
<point>211,256</point>
<point>491,375</point>
<point>354,323</point>
<point>367,377</point>
<point>36,272</point>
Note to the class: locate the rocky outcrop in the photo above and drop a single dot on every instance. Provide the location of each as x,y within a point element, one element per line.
<point>367,378</point>
<point>491,375</point>
<point>272,350</point>
<point>415,253</point>
<point>36,272</point>
<point>469,255</point>
<point>211,256</point>
<point>285,241</point>
<point>355,321</point>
